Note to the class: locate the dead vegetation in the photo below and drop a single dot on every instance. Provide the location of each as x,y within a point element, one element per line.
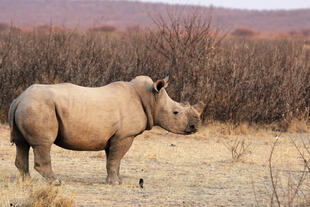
<point>238,147</point>
<point>255,81</point>
<point>47,197</point>
<point>35,194</point>
<point>243,32</point>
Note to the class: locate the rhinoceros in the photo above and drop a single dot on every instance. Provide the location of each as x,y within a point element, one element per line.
<point>92,119</point>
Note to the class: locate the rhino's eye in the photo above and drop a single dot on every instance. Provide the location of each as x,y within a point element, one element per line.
<point>175,112</point>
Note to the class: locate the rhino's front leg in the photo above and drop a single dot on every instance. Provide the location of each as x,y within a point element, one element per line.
<point>115,151</point>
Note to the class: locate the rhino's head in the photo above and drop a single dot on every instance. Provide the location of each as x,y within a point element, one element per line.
<point>181,118</point>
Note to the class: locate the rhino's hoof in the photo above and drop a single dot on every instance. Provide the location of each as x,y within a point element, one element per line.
<point>57,182</point>
<point>113,181</point>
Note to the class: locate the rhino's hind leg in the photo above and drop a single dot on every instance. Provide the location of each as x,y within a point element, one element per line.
<point>42,163</point>
<point>22,159</point>
<point>115,151</point>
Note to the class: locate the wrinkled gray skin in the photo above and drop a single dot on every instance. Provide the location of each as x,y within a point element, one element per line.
<point>90,119</point>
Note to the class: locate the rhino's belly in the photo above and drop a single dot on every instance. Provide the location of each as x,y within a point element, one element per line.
<point>81,146</point>
<point>85,136</point>
<point>82,143</point>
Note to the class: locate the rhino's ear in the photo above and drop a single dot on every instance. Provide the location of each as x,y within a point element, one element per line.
<point>199,107</point>
<point>159,84</point>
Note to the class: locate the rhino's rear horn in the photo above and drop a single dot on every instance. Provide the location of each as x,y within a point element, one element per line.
<point>159,84</point>
<point>186,103</point>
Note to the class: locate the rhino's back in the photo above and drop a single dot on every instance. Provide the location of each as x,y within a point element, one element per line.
<point>86,117</point>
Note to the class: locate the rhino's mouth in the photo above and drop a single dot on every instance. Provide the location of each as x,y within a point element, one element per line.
<point>190,132</point>
<point>184,132</point>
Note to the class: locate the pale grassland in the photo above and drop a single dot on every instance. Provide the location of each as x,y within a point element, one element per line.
<point>195,170</point>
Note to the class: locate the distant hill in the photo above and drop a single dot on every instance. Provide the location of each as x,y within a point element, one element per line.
<point>121,14</point>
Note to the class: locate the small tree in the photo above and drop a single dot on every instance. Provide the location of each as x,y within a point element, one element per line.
<point>4,27</point>
<point>187,44</point>
<point>243,32</point>
<point>104,28</point>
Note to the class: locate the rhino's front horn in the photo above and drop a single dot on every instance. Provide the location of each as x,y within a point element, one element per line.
<point>200,106</point>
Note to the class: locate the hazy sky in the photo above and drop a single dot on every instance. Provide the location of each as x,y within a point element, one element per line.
<point>245,4</point>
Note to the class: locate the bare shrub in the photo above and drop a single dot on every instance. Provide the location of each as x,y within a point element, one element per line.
<point>4,27</point>
<point>104,28</point>
<point>243,32</point>
<point>305,32</point>
<point>44,28</point>
<point>259,81</point>
<point>299,34</point>
<point>254,81</point>
<point>238,148</point>
<point>133,28</point>
<point>186,46</point>
<point>48,28</point>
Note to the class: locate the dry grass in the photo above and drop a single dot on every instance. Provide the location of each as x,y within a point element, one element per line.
<point>193,170</point>
<point>39,194</point>
<point>32,193</point>
<point>298,125</point>
<point>47,197</point>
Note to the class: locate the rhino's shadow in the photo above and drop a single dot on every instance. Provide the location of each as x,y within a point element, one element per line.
<point>89,179</point>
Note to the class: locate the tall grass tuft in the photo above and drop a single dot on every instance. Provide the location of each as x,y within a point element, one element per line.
<point>46,197</point>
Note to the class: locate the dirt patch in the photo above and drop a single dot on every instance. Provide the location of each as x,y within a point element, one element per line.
<point>195,170</point>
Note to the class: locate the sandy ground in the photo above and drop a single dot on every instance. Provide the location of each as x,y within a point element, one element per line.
<point>195,170</point>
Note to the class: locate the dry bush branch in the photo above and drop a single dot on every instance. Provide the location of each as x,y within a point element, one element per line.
<point>272,178</point>
<point>302,155</point>
<point>254,191</point>
<point>294,193</point>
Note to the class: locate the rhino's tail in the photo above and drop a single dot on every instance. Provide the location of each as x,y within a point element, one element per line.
<point>11,119</point>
